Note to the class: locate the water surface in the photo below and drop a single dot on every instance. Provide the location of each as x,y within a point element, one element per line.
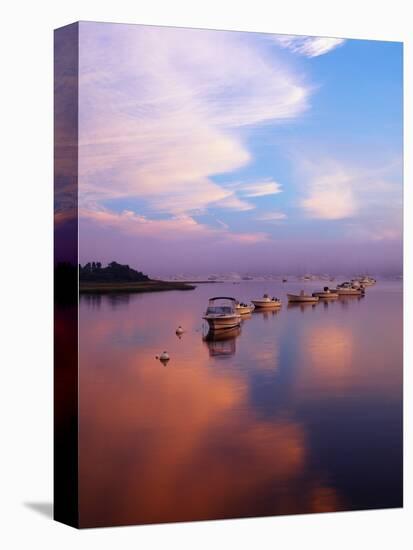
<point>298,411</point>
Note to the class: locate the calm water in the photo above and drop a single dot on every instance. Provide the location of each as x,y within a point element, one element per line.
<point>299,411</point>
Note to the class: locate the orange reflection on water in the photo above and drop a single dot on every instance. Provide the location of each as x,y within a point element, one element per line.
<point>338,361</point>
<point>328,351</point>
<point>176,446</point>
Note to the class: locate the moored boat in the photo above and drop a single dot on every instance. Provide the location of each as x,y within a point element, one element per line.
<point>326,293</point>
<point>266,302</point>
<point>365,281</point>
<point>349,289</point>
<point>222,313</point>
<point>243,308</point>
<point>302,298</point>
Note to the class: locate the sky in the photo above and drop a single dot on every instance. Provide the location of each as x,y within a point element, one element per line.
<point>207,151</point>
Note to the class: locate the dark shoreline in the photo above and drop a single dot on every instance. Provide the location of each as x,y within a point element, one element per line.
<point>198,282</point>
<point>90,287</point>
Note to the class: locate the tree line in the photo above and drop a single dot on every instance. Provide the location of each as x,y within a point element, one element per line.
<point>113,272</point>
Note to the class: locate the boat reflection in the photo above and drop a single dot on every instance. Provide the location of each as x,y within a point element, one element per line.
<point>302,306</point>
<point>347,299</point>
<point>221,343</point>
<point>327,303</point>
<point>267,313</point>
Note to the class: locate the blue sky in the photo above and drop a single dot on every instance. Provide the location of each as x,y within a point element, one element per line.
<point>239,144</point>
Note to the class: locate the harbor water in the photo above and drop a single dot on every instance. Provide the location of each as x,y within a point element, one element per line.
<point>297,411</point>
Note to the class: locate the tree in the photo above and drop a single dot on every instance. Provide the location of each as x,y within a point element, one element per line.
<point>114,272</point>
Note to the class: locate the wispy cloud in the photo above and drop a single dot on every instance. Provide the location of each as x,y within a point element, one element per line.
<point>179,228</point>
<point>260,189</point>
<point>161,113</point>
<point>309,46</point>
<point>233,202</point>
<point>272,216</point>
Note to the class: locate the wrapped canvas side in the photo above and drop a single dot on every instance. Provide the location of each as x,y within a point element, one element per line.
<point>66,274</point>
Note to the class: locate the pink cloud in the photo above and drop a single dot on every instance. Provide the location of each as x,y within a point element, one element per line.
<point>158,119</point>
<point>173,229</point>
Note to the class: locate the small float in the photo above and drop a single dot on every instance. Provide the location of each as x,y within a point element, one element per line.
<point>163,358</point>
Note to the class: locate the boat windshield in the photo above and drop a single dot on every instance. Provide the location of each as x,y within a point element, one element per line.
<point>219,309</point>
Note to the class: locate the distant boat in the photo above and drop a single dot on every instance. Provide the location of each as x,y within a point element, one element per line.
<point>364,281</point>
<point>267,302</point>
<point>285,279</point>
<point>349,289</point>
<point>326,294</point>
<point>302,298</point>
<point>244,309</point>
<point>222,313</point>
<point>247,278</point>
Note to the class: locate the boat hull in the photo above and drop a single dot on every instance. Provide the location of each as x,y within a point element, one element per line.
<point>218,323</point>
<point>245,310</point>
<point>325,295</point>
<point>266,305</point>
<point>349,292</point>
<point>297,299</point>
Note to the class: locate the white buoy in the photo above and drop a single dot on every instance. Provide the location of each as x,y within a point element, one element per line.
<point>164,356</point>
<point>179,330</point>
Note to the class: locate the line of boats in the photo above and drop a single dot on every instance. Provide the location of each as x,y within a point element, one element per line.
<point>224,312</point>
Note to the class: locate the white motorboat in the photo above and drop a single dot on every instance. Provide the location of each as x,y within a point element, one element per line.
<point>364,281</point>
<point>349,289</point>
<point>303,297</point>
<point>326,293</point>
<point>266,302</point>
<point>222,313</point>
<point>244,309</point>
